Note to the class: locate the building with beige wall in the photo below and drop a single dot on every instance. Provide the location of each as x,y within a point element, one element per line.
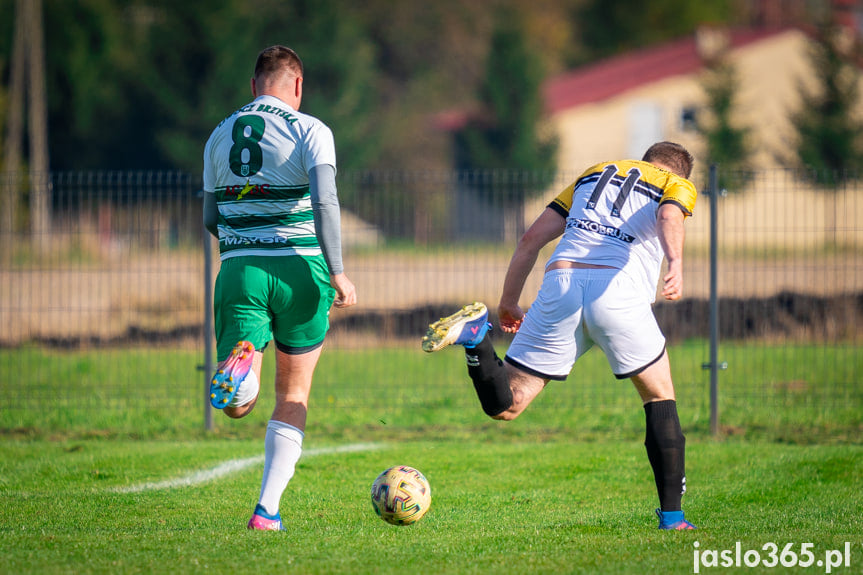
<point>618,107</point>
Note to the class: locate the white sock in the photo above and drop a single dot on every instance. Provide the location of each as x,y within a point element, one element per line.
<point>282,448</point>
<point>248,391</point>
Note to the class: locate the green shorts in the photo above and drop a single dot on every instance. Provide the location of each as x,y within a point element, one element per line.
<point>259,298</point>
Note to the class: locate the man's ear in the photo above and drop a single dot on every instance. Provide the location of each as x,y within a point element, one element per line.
<point>254,88</point>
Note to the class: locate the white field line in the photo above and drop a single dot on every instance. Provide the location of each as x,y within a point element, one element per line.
<point>233,466</point>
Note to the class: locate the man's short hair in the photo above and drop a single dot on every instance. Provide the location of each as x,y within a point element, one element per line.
<point>672,155</point>
<point>275,59</point>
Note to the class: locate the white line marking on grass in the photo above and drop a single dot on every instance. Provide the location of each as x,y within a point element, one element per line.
<point>233,466</point>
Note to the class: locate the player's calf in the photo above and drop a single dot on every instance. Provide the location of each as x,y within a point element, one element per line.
<point>469,327</point>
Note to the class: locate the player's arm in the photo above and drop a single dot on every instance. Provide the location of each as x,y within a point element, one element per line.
<point>669,227</point>
<point>211,207</point>
<point>548,226</point>
<point>211,214</point>
<point>325,207</point>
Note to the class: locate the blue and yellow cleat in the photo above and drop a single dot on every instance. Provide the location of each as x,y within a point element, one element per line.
<point>673,521</point>
<point>466,327</point>
<point>226,382</point>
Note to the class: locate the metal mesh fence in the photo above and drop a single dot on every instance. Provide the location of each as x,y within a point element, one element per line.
<point>106,307</point>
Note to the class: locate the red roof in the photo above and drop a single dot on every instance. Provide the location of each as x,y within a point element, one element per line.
<point>607,78</point>
<point>615,75</point>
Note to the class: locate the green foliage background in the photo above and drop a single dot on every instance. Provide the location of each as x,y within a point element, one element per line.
<point>139,84</point>
<point>829,142</point>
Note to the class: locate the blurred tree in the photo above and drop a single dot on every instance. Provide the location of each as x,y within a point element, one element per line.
<point>725,142</point>
<point>429,58</point>
<point>12,58</point>
<point>27,78</point>
<point>197,58</point>
<point>7,36</point>
<point>507,133</point>
<point>342,82</point>
<point>98,114</point>
<point>608,28</point>
<point>139,84</point>
<point>203,74</point>
<point>829,144</point>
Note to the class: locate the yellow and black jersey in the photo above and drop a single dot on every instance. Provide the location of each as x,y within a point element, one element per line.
<point>645,178</point>
<point>610,213</point>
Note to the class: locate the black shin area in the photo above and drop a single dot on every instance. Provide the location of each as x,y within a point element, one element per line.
<point>490,378</point>
<point>666,447</point>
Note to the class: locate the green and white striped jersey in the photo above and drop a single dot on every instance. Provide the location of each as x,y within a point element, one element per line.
<point>257,162</point>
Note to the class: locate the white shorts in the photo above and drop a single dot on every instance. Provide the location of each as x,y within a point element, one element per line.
<point>576,308</point>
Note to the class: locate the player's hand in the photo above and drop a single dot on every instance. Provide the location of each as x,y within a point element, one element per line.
<point>510,317</point>
<point>346,293</point>
<point>673,282</point>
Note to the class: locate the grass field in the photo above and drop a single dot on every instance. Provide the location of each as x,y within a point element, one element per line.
<point>793,393</point>
<point>94,479</point>
<point>523,506</point>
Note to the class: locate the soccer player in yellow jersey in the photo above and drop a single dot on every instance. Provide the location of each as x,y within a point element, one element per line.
<point>616,222</point>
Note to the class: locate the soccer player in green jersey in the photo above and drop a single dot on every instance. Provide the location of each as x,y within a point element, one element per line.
<point>270,198</point>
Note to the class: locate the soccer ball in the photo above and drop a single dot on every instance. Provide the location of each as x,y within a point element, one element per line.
<point>401,495</point>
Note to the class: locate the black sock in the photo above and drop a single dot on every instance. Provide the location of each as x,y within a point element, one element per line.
<point>666,447</point>
<point>490,379</point>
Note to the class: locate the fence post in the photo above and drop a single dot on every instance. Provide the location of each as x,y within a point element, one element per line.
<point>208,366</point>
<point>713,193</point>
